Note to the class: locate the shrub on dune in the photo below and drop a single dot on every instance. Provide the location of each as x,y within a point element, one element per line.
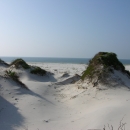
<point>20,63</point>
<point>13,75</point>
<point>4,63</point>
<point>33,69</point>
<point>101,66</point>
<point>38,71</point>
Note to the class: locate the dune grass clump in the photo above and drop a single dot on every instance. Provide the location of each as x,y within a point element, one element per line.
<point>101,65</point>
<point>33,69</point>
<point>110,59</point>
<point>20,62</point>
<point>4,63</point>
<point>13,75</point>
<point>38,71</point>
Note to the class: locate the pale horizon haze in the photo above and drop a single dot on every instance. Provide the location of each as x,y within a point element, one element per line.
<point>64,28</point>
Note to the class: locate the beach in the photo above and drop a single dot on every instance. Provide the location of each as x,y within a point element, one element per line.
<point>64,65</point>
<point>56,102</point>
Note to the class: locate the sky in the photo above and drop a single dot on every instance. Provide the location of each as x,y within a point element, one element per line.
<point>64,28</point>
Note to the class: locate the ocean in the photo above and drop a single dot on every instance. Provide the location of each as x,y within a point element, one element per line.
<point>57,60</point>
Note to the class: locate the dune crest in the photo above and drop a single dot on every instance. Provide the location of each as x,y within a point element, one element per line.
<point>105,69</point>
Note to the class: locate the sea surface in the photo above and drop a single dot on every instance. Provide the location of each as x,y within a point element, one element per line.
<point>57,60</point>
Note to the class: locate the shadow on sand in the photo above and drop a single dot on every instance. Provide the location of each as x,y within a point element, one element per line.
<point>46,78</point>
<point>9,116</point>
<point>22,91</point>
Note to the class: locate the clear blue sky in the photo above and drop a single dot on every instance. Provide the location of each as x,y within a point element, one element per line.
<point>64,28</point>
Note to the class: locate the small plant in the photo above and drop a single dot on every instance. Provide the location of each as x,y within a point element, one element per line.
<point>38,70</point>
<point>11,74</point>
<point>120,127</point>
<point>20,62</point>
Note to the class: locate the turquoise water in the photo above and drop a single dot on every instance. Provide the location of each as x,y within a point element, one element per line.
<point>57,60</point>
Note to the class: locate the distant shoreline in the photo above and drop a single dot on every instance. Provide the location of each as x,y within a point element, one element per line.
<point>57,60</point>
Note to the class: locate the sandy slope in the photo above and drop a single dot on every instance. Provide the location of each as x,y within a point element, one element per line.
<point>51,105</point>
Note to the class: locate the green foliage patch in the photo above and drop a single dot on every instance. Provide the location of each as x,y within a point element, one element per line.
<point>20,62</point>
<point>13,75</point>
<point>103,63</point>
<point>2,62</point>
<point>110,59</point>
<point>88,72</point>
<point>38,70</point>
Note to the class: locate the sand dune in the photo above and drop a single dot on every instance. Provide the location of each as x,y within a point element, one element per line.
<point>54,102</point>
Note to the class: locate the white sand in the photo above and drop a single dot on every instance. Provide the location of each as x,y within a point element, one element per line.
<point>51,105</point>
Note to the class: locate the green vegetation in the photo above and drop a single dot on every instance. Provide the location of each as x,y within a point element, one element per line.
<point>101,65</point>
<point>4,63</point>
<point>33,69</point>
<point>20,62</point>
<point>110,59</point>
<point>38,70</point>
<point>13,75</point>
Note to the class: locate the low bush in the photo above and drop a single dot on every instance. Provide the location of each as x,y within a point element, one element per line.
<point>20,62</point>
<point>101,66</point>
<point>13,75</point>
<point>4,63</point>
<point>38,70</point>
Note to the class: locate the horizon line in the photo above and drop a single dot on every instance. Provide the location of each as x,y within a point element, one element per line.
<point>55,57</point>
